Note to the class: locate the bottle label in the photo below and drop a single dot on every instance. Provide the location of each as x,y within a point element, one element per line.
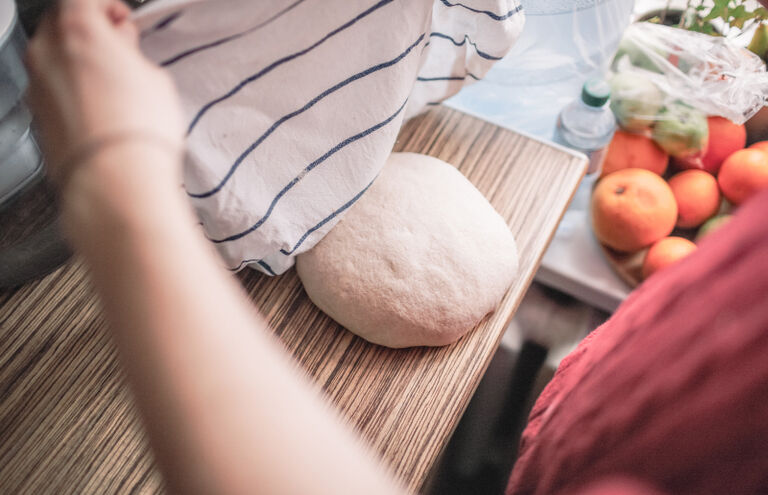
<point>596,159</point>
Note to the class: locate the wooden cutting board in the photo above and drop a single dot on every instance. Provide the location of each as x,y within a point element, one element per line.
<point>67,423</point>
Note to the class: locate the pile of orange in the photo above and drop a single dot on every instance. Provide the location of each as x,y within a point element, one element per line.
<point>637,206</point>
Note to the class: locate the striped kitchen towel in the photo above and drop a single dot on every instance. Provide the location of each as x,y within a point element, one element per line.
<point>293,106</point>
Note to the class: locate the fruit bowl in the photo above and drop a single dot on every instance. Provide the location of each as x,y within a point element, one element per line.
<point>628,266</point>
<point>647,214</point>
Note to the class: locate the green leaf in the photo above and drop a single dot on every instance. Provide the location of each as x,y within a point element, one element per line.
<point>717,11</point>
<point>734,13</point>
<point>739,11</point>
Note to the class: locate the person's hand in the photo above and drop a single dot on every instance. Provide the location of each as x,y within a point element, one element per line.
<point>90,85</point>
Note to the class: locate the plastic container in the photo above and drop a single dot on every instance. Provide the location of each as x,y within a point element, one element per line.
<point>20,158</point>
<point>31,244</point>
<point>587,123</point>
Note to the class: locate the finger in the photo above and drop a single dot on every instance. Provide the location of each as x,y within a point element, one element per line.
<point>120,16</point>
<point>38,48</point>
<point>118,12</point>
<point>81,5</point>
<point>46,28</point>
<point>129,33</point>
<point>42,59</point>
<point>79,14</point>
<point>83,22</point>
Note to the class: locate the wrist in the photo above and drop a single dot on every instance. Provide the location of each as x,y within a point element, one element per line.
<point>120,188</point>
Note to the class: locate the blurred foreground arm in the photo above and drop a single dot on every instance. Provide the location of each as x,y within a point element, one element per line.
<point>225,410</point>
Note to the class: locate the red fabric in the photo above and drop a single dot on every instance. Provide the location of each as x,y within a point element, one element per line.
<point>673,389</point>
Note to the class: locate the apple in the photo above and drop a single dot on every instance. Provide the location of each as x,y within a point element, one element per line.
<point>682,131</point>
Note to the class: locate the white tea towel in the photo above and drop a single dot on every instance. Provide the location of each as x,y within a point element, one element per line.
<point>294,105</point>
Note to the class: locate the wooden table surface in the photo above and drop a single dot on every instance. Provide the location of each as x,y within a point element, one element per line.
<point>67,424</point>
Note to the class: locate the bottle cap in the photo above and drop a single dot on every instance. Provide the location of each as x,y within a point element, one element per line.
<point>595,92</point>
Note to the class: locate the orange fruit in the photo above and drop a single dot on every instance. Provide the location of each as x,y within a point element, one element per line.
<point>697,196</point>
<point>631,209</point>
<point>628,150</point>
<point>666,252</point>
<point>725,137</point>
<point>744,174</point>
<point>760,145</point>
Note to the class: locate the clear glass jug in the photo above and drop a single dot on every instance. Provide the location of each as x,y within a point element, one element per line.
<point>564,43</point>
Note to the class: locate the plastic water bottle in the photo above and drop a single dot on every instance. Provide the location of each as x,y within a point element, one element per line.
<point>587,123</point>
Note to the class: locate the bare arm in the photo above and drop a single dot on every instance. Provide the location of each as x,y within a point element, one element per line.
<point>225,410</point>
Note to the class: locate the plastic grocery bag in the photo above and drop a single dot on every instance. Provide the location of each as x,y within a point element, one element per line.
<point>666,81</point>
<point>564,43</point>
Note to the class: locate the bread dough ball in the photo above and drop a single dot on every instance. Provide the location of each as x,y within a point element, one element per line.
<point>419,260</point>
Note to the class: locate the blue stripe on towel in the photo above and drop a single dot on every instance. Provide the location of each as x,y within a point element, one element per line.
<point>327,219</point>
<point>448,78</point>
<point>265,266</point>
<point>161,24</point>
<point>486,12</point>
<point>465,40</point>
<point>306,107</point>
<point>226,39</point>
<point>281,61</point>
<point>306,170</point>
<point>259,262</point>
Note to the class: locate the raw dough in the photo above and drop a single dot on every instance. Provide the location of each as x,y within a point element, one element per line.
<point>419,260</point>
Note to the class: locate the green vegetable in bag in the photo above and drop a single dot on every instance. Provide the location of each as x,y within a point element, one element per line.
<point>635,101</point>
<point>681,130</point>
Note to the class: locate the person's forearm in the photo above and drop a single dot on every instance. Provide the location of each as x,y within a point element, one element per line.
<point>224,408</point>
